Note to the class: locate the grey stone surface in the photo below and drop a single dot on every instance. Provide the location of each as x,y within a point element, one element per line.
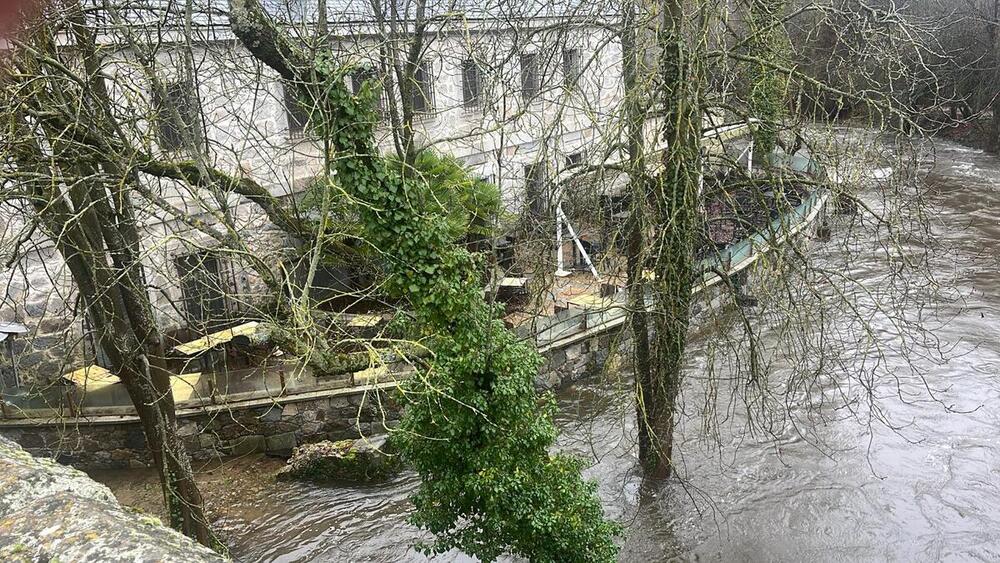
<point>366,459</point>
<point>270,414</point>
<point>51,512</point>
<point>245,445</point>
<point>281,443</point>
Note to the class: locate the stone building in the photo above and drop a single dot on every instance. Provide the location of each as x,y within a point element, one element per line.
<point>518,92</point>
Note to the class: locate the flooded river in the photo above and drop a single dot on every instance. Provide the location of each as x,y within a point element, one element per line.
<point>916,478</point>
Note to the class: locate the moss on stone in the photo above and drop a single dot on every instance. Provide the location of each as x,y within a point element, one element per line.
<point>363,460</point>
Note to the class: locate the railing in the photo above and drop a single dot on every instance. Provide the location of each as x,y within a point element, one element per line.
<point>580,322</point>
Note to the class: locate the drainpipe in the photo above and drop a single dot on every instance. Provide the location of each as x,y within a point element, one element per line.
<point>560,266</point>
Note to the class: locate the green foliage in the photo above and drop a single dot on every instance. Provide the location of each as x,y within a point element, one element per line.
<point>769,44</point>
<point>474,428</point>
<point>480,436</point>
<point>469,204</point>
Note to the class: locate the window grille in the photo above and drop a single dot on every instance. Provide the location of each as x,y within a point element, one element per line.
<point>207,286</point>
<point>535,189</point>
<point>170,129</point>
<point>571,67</point>
<point>529,77</point>
<point>471,84</point>
<point>422,93</point>
<point>296,113</point>
<point>368,74</point>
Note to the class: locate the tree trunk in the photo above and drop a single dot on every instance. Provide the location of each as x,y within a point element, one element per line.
<point>674,204</point>
<point>100,247</point>
<point>635,116</point>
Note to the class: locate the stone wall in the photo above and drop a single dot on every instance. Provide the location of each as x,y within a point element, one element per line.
<point>564,365</point>
<point>264,425</point>
<point>268,425</point>
<point>50,512</point>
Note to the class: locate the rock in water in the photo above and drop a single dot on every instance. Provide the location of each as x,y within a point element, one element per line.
<point>365,460</point>
<point>51,512</point>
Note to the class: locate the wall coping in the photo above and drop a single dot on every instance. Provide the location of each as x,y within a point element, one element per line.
<point>96,420</point>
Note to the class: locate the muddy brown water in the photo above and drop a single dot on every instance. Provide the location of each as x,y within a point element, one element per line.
<point>836,487</point>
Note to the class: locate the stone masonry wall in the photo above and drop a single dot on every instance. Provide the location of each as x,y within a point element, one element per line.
<point>226,430</point>
<point>272,426</point>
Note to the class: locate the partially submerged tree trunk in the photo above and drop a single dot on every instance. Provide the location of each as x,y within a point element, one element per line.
<point>674,203</point>
<point>766,99</point>
<point>639,192</point>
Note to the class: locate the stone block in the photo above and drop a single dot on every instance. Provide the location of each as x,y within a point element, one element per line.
<point>245,445</point>
<point>574,351</point>
<point>135,439</point>
<point>270,414</point>
<point>311,428</point>
<point>52,324</point>
<point>547,380</point>
<point>290,410</point>
<point>281,443</point>
<point>45,342</point>
<point>207,440</point>
<point>556,359</point>
<point>186,429</point>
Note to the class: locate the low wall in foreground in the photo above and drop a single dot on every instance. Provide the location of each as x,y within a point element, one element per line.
<point>50,512</point>
<point>274,425</point>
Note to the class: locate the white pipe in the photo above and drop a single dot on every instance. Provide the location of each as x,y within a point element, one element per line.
<point>750,157</point>
<point>579,245</point>
<point>560,266</point>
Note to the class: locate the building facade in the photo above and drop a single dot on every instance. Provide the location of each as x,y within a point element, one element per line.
<point>517,97</point>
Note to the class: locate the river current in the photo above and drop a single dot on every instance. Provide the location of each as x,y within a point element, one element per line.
<point>896,460</point>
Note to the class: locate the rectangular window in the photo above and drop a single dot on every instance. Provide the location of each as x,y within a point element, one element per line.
<point>207,283</point>
<point>535,189</point>
<point>574,159</point>
<point>171,127</point>
<point>368,74</point>
<point>471,87</point>
<point>571,67</point>
<point>529,76</point>
<point>296,113</point>
<point>422,94</point>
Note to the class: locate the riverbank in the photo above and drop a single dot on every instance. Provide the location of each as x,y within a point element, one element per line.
<point>232,487</point>
<point>973,133</point>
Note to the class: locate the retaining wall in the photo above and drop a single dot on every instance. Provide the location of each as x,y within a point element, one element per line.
<point>273,425</point>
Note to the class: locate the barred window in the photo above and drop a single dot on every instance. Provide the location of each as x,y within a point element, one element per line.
<point>529,76</point>
<point>571,67</point>
<point>171,127</point>
<point>422,94</point>
<point>296,113</point>
<point>207,285</point>
<point>370,75</point>
<point>535,189</point>
<point>471,84</point>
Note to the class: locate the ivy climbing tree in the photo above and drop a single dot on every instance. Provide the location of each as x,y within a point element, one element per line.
<point>474,429</point>
<point>766,100</point>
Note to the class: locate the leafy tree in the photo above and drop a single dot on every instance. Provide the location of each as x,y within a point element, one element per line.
<point>473,427</point>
